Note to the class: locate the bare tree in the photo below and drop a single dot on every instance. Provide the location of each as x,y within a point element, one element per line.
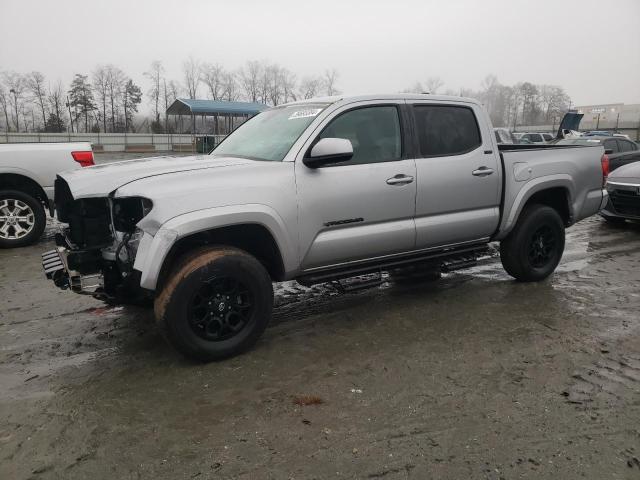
<point>4,104</point>
<point>275,84</point>
<point>191,71</point>
<point>230,87</point>
<point>115,83</point>
<point>434,84</point>
<point>101,77</point>
<point>213,76</point>
<point>416,88</point>
<point>155,76</point>
<point>56,101</point>
<point>310,87</point>
<point>288,79</point>
<point>35,84</point>
<point>170,92</point>
<point>330,79</point>
<point>249,77</point>
<point>15,84</point>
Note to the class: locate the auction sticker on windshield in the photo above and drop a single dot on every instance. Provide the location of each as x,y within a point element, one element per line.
<point>307,112</point>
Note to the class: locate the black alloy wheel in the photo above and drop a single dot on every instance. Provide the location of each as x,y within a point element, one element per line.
<point>220,308</point>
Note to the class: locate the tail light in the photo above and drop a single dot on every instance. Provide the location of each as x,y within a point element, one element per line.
<point>84,158</point>
<point>605,168</point>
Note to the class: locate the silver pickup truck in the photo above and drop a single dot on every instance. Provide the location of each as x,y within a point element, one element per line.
<point>315,191</point>
<point>27,173</point>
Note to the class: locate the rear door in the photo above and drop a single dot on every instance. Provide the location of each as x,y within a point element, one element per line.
<point>459,175</point>
<point>362,208</point>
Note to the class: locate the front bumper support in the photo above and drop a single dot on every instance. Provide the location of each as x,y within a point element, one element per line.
<point>56,268</point>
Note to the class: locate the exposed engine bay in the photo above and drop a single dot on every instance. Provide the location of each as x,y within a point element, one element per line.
<point>97,249</point>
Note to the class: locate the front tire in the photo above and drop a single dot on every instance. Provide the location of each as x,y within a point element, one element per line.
<point>215,304</point>
<point>534,248</point>
<point>22,219</point>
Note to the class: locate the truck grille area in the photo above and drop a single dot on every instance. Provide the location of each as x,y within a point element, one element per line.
<point>625,202</point>
<point>89,219</point>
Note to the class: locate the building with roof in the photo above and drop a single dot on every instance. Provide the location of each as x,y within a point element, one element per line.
<point>208,119</point>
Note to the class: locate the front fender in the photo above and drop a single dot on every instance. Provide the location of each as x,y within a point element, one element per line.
<point>517,199</point>
<point>153,250</point>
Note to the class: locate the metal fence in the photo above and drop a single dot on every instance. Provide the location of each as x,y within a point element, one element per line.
<point>122,142</point>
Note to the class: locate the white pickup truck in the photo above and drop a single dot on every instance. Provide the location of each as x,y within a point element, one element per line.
<point>316,191</point>
<point>27,174</point>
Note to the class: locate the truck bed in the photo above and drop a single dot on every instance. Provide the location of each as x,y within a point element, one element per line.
<point>573,170</point>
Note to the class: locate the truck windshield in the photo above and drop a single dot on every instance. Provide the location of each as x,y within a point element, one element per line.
<point>269,135</point>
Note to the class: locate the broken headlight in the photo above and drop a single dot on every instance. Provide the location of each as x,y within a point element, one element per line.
<point>127,212</point>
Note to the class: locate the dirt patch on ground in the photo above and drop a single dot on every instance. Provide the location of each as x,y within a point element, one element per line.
<point>470,376</point>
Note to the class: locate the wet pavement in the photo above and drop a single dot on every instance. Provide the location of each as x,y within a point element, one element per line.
<point>471,376</point>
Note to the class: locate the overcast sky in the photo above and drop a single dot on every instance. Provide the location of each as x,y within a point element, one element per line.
<point>591,48</point>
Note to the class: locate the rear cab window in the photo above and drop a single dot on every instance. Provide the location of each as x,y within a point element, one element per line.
<point>446,130</point>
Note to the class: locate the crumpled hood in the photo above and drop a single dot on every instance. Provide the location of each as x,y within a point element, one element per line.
<point>101,180</point>
<point>629,173</point>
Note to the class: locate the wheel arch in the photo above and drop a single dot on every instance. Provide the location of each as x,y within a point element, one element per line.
<point>256,229</point>
<point>556,192</point>
<point>253,238</point>
<point>26,184</point>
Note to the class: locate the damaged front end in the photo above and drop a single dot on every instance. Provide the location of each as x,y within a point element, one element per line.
<point>96,251</point>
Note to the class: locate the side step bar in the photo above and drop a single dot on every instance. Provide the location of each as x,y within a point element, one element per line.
<point>448,260</point>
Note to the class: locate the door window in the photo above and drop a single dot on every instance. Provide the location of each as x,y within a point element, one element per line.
<point>611,145</point>
<point>374,133</point>
<point>626,146</point>
<point>446,130</point>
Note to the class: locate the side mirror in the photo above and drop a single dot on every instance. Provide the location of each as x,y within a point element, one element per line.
<point>329,151</point>
<point>608,151</point>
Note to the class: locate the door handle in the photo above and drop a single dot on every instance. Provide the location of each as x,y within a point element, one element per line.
<point>482,172</point>
<point>400,179</point>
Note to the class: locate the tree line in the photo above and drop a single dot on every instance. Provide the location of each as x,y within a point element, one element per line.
<point>524,103</point>
<point>107,100</point>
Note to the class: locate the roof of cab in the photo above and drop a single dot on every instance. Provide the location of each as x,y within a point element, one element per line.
<point>395,96</point>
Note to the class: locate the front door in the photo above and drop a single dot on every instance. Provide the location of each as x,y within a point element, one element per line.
<point>362,208</point>
<point>459,175</point>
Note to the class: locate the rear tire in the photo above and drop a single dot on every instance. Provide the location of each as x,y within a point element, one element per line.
<point>534,247</point>
<point>216,303</point>
<point>22,219</point>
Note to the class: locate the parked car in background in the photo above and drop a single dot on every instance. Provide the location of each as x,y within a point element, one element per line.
<point>27,174</point>
<point>623,186</point>
<point>622,135</point>
<point>504,136</point>
<point>315,191</point>
<point>619,150</point>
<point>536,137</point>
<point>597,133</point>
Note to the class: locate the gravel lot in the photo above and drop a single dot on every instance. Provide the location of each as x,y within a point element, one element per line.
<point>472,376</point>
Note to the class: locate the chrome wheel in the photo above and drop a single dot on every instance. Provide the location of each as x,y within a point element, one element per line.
<point>17,219</point>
